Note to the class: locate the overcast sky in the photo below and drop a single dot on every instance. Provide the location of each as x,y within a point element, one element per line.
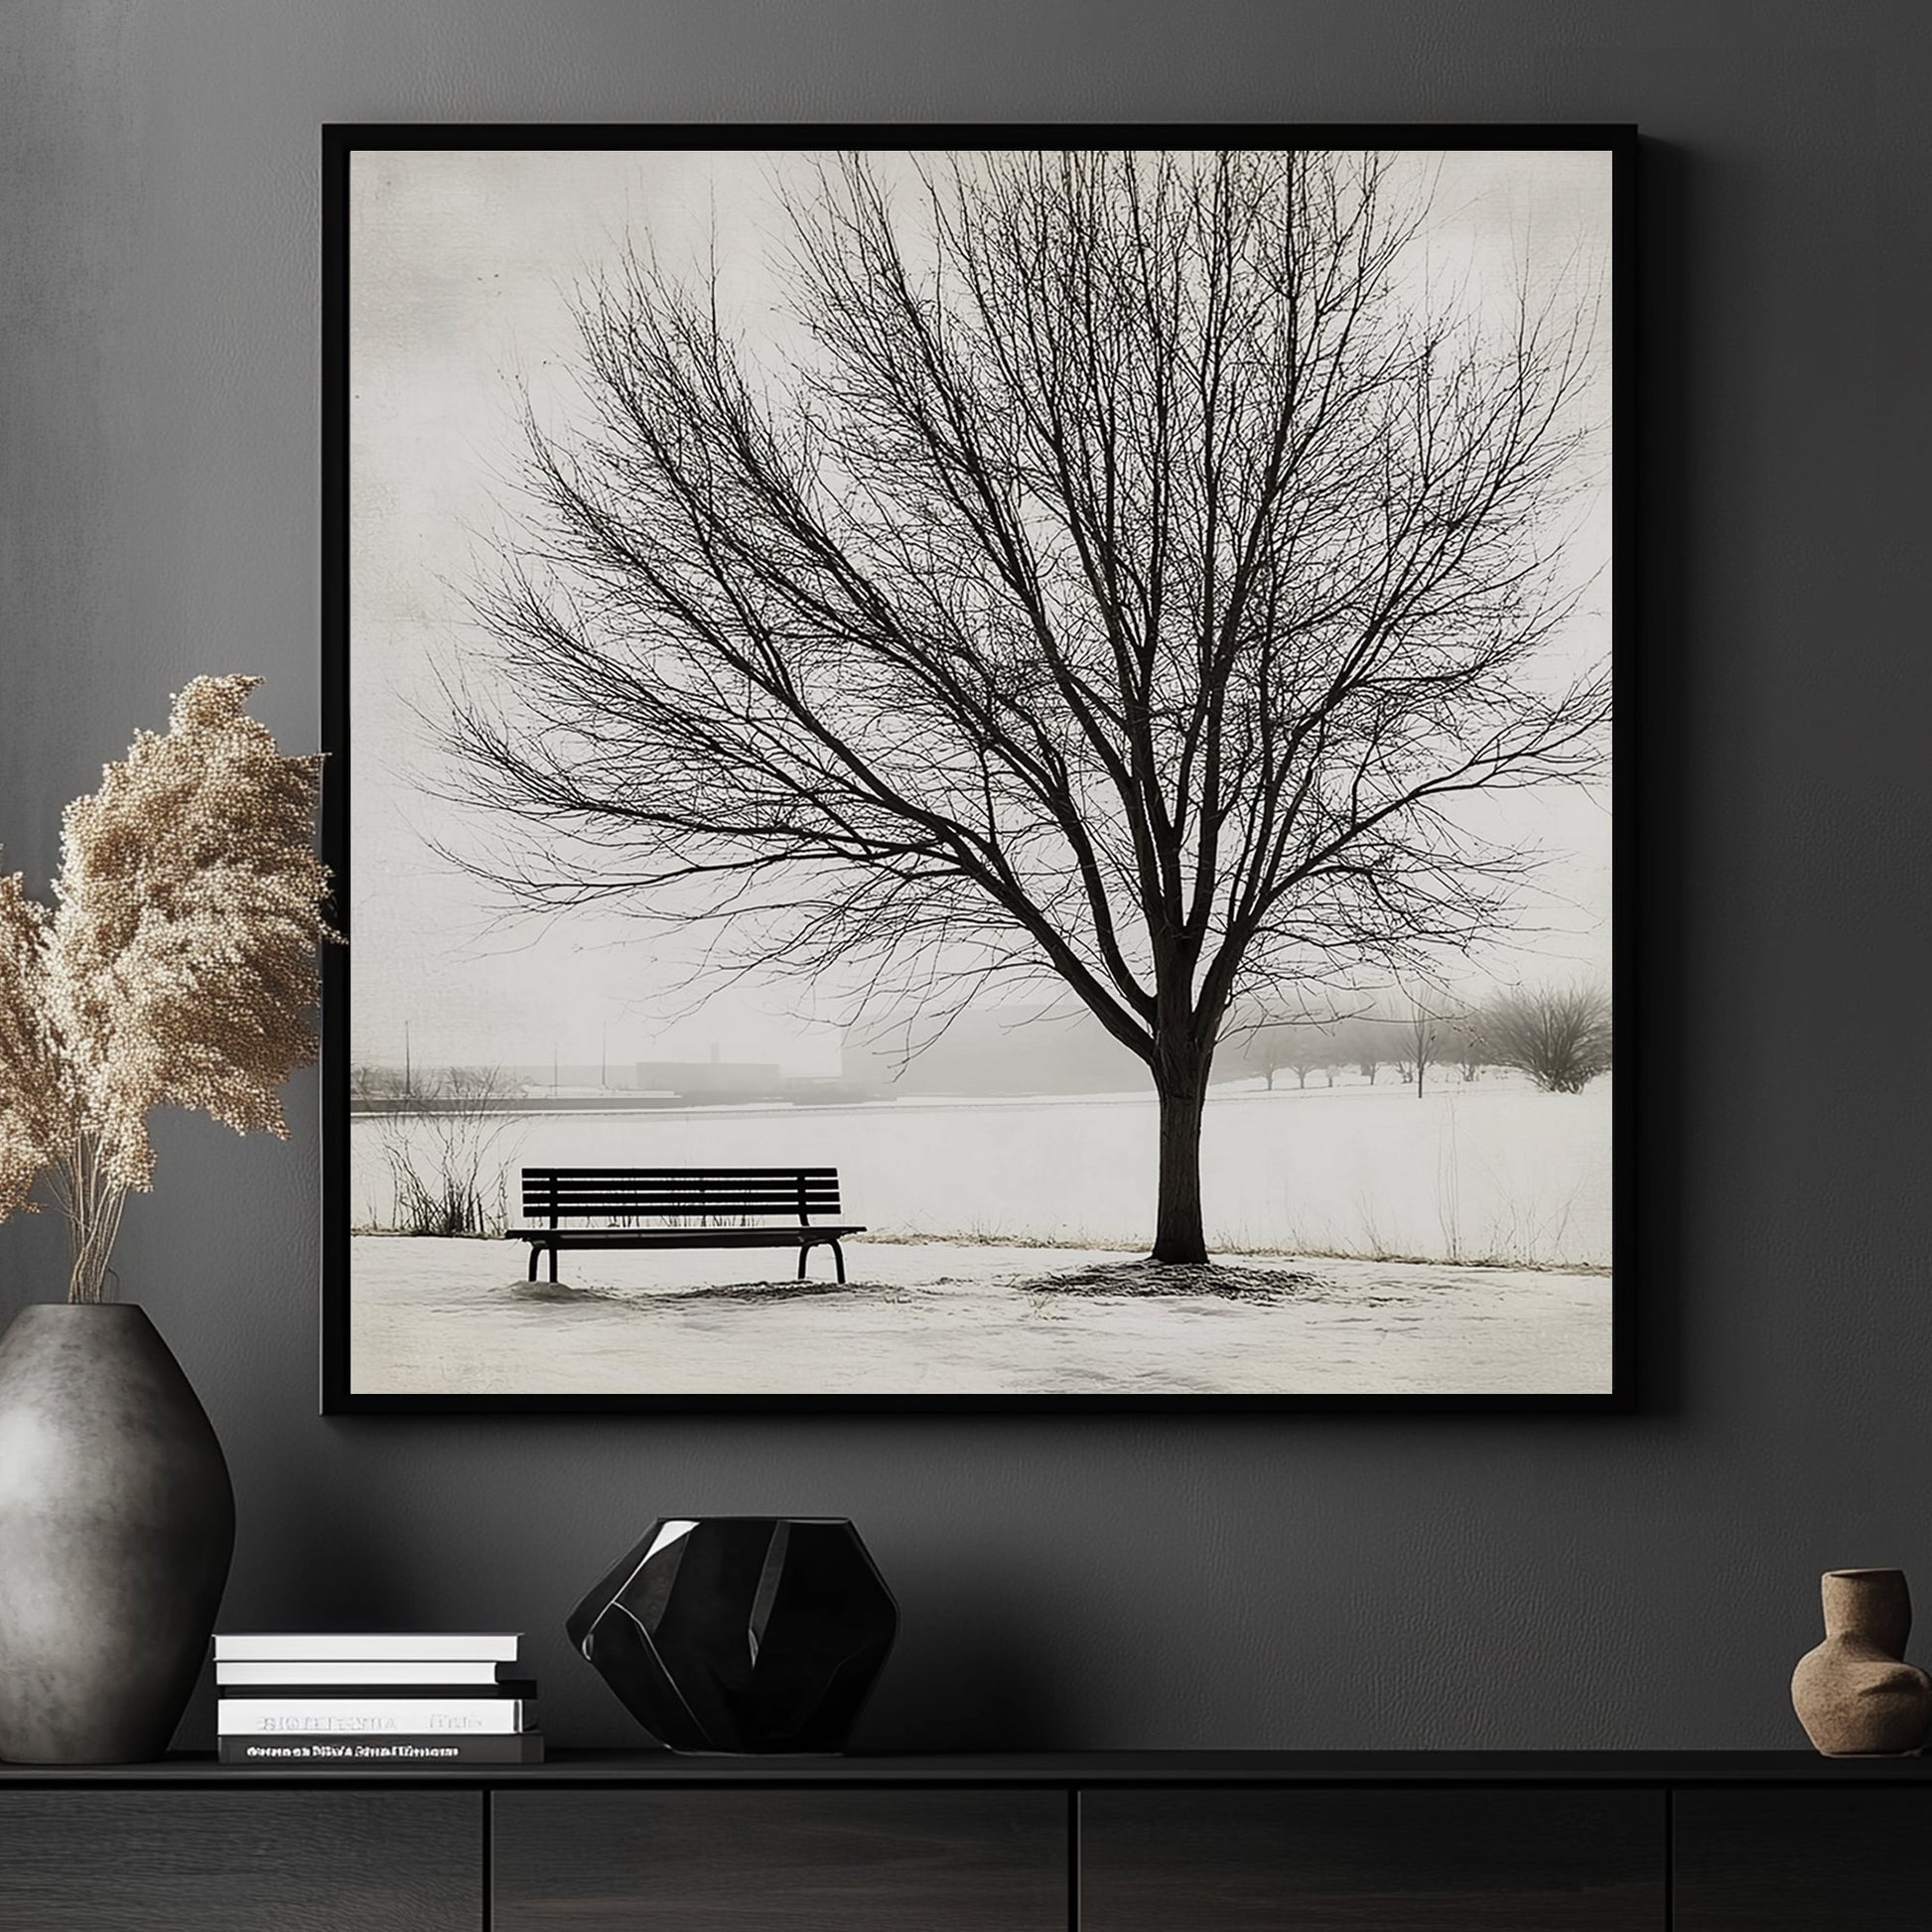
<point>462,272</point>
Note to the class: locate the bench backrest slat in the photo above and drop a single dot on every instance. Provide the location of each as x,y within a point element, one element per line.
<point>680,1191</point>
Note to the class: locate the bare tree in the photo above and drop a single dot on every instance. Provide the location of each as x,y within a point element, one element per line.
<point>375,1089</point>
<point>1290,1046</point>
<point>1421,1030</point>
<point>1120,587</point>
<point>1465,1041</point>
<point>1561,1037</point>
<point>1363,1043</point>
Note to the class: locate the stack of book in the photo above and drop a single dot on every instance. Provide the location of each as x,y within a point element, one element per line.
<point>427,1697</point>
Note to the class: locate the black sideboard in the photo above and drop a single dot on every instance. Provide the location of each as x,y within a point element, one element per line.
<point>1116,1842</point>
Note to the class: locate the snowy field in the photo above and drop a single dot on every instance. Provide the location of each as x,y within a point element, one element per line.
<point>1001,1259</point>
<point>933,1318</point>
<point>1488,1171</point>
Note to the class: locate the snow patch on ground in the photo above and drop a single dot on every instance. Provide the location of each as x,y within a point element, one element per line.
<point>433,1316</point>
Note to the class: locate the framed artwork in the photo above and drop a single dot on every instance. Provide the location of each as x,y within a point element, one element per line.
<point>975,778</point>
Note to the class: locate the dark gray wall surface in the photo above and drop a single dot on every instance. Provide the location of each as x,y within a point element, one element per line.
<point>1240,1580</point>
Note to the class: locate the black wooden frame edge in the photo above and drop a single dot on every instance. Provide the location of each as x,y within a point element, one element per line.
<point>333,1095</point>
<point>340,141</point>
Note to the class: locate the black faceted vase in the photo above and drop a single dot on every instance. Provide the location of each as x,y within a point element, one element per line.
<point>741,1633</point>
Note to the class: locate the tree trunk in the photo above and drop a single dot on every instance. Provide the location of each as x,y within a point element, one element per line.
<point>1177,1233</point>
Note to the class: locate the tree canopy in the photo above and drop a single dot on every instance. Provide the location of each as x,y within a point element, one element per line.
<point>1121,583</point>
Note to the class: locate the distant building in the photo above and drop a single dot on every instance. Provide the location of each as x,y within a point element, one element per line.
<point>567,1076</point>
<point>714,1079</point>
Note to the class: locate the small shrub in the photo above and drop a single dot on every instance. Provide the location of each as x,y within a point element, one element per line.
<point>438,1139</point>
<point>1560,1037</point>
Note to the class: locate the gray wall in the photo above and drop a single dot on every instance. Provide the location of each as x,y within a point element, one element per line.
<point>1329,1581</point>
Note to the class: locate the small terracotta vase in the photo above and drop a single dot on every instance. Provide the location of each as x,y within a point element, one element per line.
<point>1855,1695</point>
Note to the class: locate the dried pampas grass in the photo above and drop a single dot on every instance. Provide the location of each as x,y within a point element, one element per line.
<point>179,966</point>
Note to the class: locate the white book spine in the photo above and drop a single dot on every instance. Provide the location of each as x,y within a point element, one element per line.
<point>497,1646</point>
<point>340,1717</point>
<point>359,1670</point>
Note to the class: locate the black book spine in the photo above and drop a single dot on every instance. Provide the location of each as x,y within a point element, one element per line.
<point>283,1752</point>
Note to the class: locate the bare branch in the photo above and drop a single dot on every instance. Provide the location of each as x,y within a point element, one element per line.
<point>1123,588</point>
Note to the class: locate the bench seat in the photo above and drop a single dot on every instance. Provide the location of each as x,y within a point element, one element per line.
<point>679,1237</point>
<point>681,1193</point>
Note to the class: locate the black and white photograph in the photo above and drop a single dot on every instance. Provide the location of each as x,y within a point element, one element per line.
<point>973,776</point>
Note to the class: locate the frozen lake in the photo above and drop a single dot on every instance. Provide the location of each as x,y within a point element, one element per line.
<point>1490,1170</point>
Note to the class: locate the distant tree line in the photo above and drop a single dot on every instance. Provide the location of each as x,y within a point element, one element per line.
<point>1561,1037</point>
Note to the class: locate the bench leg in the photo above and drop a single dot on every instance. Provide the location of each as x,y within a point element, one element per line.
<point>553,1262</point>
<point>805,1248</point>
<point>837,1255</point>
<point>534,1252</point>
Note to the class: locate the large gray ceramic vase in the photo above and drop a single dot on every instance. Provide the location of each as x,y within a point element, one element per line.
<point>116,1526</point>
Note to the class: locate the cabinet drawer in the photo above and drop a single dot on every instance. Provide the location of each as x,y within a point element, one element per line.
<point>1365,1861</point>
<point>831,1861</point>
<point>1801,1860</point>
<point>282,1861</point>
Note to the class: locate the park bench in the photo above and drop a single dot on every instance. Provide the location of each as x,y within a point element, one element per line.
<point>701,1207</point>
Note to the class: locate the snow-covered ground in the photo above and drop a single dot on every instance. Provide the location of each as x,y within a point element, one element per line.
<point>934,1317</point>
<point>1487,1170</point>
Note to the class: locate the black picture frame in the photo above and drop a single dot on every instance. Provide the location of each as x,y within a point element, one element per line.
<point>340,143</point>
